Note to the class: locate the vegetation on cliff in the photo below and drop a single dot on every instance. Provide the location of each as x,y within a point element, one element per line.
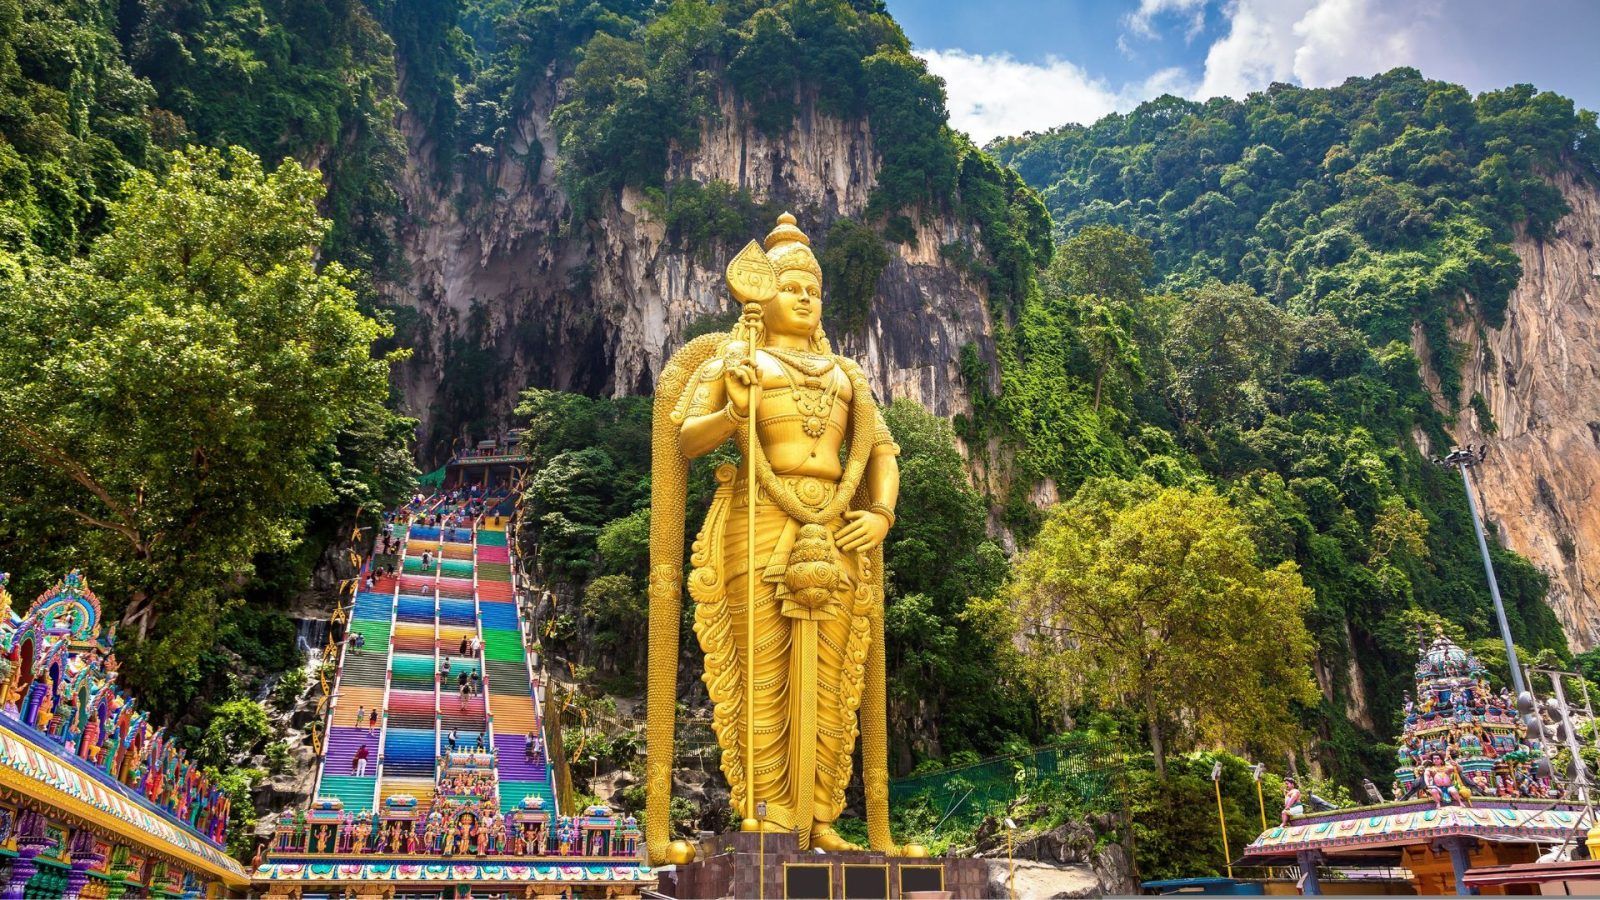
<point>1229,317</point>
<point>1234,304</point>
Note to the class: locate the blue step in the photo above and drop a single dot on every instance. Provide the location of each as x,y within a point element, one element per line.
<point>498,615</point>
<point>457,612</point>
<point>372,605</point>
<point>414,609</point>
<point>408,752</point>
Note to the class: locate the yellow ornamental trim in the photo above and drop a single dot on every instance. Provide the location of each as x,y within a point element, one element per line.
<point>41,775</point>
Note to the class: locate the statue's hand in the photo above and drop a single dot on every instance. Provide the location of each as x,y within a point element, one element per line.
<point>865,531</point>
<point>743,385</point>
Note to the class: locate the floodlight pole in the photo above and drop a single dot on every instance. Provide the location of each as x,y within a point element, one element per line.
<point>1464,459</point>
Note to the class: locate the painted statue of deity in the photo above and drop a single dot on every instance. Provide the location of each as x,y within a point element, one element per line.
<point>793,657</point>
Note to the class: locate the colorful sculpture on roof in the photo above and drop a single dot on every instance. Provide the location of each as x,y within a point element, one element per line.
<point>463,820</point>
<point>58,677</point>
<point>1461,738</point>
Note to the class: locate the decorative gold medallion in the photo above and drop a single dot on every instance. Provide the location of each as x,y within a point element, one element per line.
<point>751,276</point>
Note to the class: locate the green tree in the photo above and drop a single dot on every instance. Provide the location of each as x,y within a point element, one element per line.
<point>237,730</point>
<point>1226,346</point>
<point>174,400</point>
<point>1154,598</point>
<point>943,668</point>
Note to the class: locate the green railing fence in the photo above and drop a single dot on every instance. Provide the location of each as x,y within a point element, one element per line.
<point>959,797</point>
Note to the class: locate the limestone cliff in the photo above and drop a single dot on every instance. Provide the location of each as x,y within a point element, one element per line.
<point>496,266</point>
<point>1539,376</point>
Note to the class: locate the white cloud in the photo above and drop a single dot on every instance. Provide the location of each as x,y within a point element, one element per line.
<point>995,95</point>
<point>1142,20</point>
<point>1484,44</point>
<point>1315,43</point>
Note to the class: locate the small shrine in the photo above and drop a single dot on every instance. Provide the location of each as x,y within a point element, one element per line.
<point>94,799</point>
<point>1469,791</point>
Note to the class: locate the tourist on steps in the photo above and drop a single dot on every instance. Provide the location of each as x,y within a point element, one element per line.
<point>453,739</point>
<point>466,646</point>
<point>361,714</point>
<point>477,646</point>
<point>372,721</point>
<point>444,669</point>
<point>530,747</point>
<point>359,763</point>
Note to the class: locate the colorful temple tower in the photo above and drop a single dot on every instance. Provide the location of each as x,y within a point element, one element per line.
<point>1467,794</point>
<point>94,800</point>
<point>436,776</point>
<point>1461,738</point>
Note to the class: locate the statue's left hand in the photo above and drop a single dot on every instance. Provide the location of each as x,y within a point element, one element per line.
<point>865,531</point>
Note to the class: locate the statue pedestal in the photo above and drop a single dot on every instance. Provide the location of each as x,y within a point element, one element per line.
<point>733,865</point>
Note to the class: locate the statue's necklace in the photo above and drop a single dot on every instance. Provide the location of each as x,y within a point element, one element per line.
<point>813,396</point>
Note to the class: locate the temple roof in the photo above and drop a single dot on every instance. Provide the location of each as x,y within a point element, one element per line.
<point>1394,825</point>
<point>61,783</point>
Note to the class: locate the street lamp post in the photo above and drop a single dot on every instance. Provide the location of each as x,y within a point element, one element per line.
<point>1464,458</point>
<point>1256,771</point>
<point>1222,822</point>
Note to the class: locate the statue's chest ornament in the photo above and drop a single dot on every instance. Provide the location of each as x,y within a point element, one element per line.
<point>814,384</point>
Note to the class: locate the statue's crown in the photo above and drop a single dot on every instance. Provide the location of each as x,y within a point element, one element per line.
<point>789,248</point>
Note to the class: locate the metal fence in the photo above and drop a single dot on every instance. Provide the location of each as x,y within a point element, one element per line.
<point>963,795</point>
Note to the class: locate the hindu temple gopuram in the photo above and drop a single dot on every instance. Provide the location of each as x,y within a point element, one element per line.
<point>436,777</point>
<point>1468,791</point>
<point>94,801</point>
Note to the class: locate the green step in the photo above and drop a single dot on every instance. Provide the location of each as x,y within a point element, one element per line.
<point>488,538</point>
<point>376,633</point>
<point>456,568</point>
<point>413,566</point>
<point>413,666</point>
<point>512,792</point>
<point>494,572</point>
<point>504,646</point>
<point>355,792</point>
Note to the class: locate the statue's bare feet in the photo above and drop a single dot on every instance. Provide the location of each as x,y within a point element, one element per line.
<point>823,837</point>
<point>767,825</point>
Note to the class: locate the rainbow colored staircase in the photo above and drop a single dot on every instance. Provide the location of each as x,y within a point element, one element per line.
<point>453,584</point>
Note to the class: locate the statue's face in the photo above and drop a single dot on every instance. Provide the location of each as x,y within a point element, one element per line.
<point>797,309</point>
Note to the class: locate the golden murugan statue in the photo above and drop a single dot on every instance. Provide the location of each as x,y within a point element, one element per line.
<point>814,540</point>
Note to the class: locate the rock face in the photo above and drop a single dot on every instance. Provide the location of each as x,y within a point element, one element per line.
<point>498,271</point>
<point>1540,379</point>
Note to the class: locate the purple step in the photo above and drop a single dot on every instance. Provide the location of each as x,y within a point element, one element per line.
<point>343,742</point>
<point>513,763</point>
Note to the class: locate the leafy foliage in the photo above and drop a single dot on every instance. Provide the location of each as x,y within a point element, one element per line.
<point>852,258</point>
<point>1381,201</point>
<point>176,397</point>
<point>72,124</point>
<point>284,79</point>
<point>1154,597</point>
<point>1301,422</point>
<point>943,659</point>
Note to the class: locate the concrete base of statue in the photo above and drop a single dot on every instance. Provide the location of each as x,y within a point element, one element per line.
<point>736,865</point>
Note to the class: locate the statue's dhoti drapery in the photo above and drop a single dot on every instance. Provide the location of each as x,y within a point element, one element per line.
<point>812,634</point>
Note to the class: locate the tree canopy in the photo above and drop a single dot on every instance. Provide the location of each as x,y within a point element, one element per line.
<point>1154,597</point>
<point>175,400</point>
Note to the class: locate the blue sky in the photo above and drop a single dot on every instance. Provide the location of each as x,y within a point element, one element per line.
<point>1018,65</point>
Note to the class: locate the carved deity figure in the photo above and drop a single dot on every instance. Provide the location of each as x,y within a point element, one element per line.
<point>791,660</point>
